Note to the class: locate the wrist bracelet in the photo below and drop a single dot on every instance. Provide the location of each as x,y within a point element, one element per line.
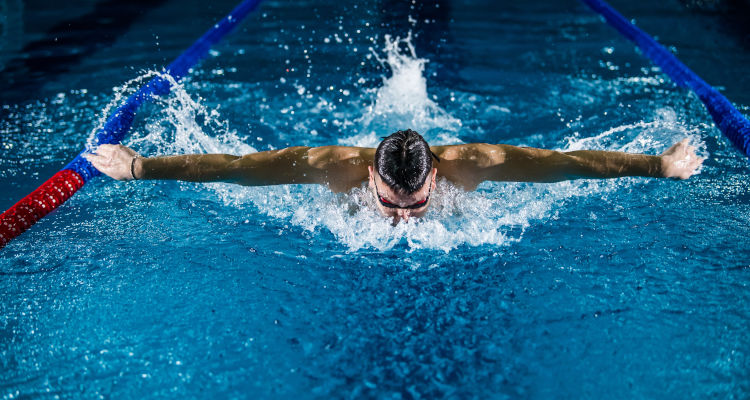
<point>132,167</point>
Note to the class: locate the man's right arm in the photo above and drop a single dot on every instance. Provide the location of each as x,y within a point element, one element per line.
<point>336,166</point>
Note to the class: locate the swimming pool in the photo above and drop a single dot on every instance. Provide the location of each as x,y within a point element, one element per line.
<point>631,288</point>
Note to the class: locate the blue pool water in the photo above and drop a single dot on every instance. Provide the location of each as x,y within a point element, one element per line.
<point>629,288</point>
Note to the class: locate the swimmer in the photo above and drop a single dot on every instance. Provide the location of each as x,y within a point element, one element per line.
<point>401,172</point>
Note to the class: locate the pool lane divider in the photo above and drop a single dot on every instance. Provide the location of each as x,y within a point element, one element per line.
<point>61,186</point>
<point>727,118</point>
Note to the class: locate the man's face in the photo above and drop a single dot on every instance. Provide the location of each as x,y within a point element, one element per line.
<point>399,200</point>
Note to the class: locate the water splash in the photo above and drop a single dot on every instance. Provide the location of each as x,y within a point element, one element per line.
<point>402,102</point>
<point>120,93</point>
<point>643,136</point>
<point>498,214</point>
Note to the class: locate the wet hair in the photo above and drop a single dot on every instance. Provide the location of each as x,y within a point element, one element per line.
<point>404,161</point>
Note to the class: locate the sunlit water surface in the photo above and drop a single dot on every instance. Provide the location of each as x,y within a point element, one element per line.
<point>628,288</point>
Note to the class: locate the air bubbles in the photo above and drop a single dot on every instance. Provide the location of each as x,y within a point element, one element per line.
<point>609,65</point>
<point>58,99</point>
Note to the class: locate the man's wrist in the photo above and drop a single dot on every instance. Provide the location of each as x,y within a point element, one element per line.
<point>660,167</point>
<point>655,166</point>
<point>138,169</point>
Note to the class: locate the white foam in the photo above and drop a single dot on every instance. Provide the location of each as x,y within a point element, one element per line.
<point>184,125</point>
<point>120,94</point>
<point>647,136</point>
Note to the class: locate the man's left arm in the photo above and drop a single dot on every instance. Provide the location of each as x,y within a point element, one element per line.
<point>511,163</point>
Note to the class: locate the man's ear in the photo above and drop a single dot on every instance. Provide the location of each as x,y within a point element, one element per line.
<point>434,174</point>
<point>371,170</point>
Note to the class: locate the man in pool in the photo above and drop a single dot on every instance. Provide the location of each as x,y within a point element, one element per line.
<point>401,171</point>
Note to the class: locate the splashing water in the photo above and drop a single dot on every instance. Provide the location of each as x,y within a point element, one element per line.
<point>181,126</point>
<point>648,135</point>
<point>121,93</point>
<point>402,101</point>
<point>496,214</point>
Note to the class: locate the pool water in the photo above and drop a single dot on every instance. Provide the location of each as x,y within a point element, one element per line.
<point>627,288</point>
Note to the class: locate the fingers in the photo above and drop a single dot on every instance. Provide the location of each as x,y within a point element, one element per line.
<point>682,149</point>
<point>111,149</point>
<point>93,158</point>
<point>685,146</point>
<point>99,162</point>
<point>684,160</point>
<point>691,166</point>
<point>677,147</point>
<point>98,159</point>
<point>695,164</point>
<point>112,160</point>
<point>112,152</point>
<point>107,150</point>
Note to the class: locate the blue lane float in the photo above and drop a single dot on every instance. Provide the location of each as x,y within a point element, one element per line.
<point>727,118</point>
<point>61,186</point>
<point>119,123</point>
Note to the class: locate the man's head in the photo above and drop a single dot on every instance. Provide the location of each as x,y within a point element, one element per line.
<point>402,176</point>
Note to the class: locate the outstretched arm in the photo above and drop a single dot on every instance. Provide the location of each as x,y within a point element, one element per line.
<point>472,164</point>
<point>336,166</point>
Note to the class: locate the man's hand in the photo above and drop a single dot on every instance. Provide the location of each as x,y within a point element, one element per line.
<point>114,160</point>
<point>680,161</point>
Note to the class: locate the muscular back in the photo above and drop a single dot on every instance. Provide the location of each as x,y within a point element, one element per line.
<point>342,168</point>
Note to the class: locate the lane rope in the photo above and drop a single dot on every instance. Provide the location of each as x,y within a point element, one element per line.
<point>61,186</point>
<point>727,118</point>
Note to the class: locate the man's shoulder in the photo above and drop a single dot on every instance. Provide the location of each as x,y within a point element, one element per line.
<point>477,154</point>
<point>327,155</point>
<point>343,167</point>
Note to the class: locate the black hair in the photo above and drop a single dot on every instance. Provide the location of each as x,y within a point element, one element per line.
<point>404,161</point>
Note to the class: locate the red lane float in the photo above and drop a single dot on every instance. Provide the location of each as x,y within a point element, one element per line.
<point>55,191</point>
